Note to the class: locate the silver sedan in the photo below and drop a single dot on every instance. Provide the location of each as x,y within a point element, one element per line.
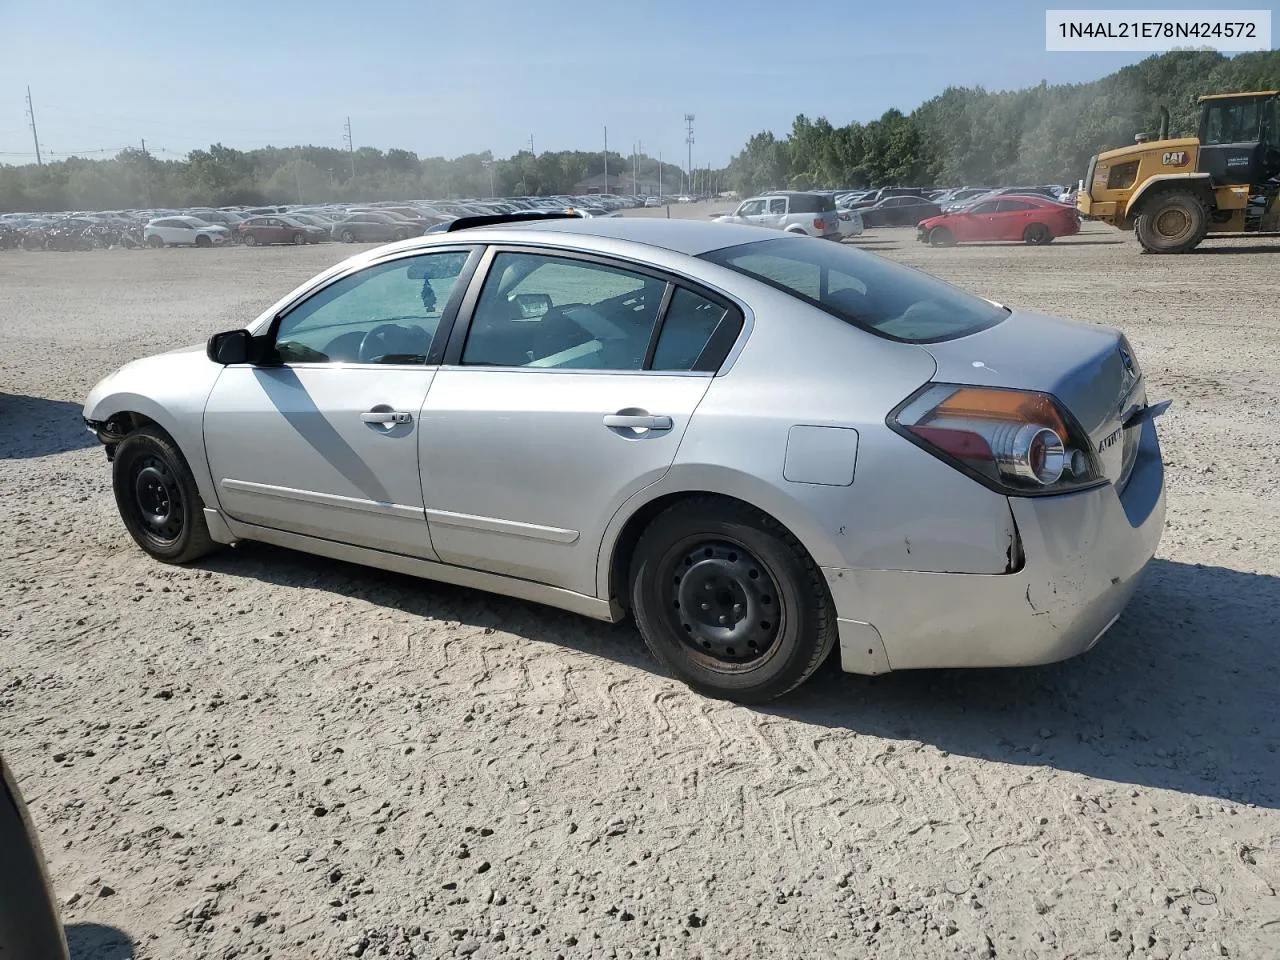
<point>760,447</point>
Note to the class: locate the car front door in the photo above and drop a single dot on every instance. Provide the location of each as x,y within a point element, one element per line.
<point>980,221</point>
<point>324,440</point>
<point>561,398</point>
<point>750,212</point>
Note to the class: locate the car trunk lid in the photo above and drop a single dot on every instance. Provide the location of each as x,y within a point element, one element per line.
<point>1090,369</point>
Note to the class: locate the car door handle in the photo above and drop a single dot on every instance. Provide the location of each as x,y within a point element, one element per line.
<point>637,421</point>
<point>386,416</point>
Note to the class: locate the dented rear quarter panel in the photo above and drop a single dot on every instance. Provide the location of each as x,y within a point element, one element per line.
<point>904,510</point>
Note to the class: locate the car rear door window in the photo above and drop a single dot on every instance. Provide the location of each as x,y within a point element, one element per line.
<point>696,333</point>
<point>542,311</point>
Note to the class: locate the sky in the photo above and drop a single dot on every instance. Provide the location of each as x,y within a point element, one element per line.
<point>444,79</point>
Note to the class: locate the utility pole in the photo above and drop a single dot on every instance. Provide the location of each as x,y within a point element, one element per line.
<point>146,172</point>
<point>659,173</point>
<point>639,156</point>
<point>606,159</point>
<point>351,148</point>
<point>31,113</point>
<point>688,121</point>
<point>531,150</point>
<point>633,169</point>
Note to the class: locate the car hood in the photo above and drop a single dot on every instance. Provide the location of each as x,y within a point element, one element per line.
<point>1087,367</point>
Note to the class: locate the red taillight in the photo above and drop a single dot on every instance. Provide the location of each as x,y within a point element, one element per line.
<point>819,223</point>
<point>1018,442</point>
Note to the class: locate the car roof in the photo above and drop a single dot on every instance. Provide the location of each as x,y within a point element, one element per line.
<point>691,237</point>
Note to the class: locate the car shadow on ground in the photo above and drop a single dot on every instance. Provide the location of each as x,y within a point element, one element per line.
<point>1179,695</point>
<point>92,941</point>
<point>35,427</point>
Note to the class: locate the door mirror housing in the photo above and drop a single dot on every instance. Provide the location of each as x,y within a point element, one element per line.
<point>234,346</point>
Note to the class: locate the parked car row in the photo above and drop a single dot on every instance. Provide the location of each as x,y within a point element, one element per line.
<point>1034,215</point>
<point>377,222</point>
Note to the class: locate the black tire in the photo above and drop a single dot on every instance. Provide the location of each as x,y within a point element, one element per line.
<point>1173,221</point>
<point>203,241</point>
<point>1037,234</point>
<point>158,499</point>
<point>299,239</point>
<point>250,240</point>
<point>155,242</point>
<point>348,236</point>
<point>941,237</point>
<point>749,567</point>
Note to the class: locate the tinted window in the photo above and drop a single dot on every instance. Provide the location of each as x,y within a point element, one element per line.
<point>688,328</point>
<point>541,311</point>
<point>865,290</point>
<point>386,313</point>
<point>811,203</point>
<point>1008,206</point>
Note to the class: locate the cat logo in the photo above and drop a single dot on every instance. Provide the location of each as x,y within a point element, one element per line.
<point>1174,158</point>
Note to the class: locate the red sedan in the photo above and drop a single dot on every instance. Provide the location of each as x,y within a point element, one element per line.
<point>1027,218</point>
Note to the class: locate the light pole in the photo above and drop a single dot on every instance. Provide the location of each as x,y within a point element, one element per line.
<point>489,165</point>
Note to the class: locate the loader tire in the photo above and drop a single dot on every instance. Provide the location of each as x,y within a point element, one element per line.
<point>1173,221</point>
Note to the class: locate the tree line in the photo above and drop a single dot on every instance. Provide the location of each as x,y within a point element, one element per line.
<point>221,176</point>
<point>966,135</point>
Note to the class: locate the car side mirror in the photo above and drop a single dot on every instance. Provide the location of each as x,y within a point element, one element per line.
<point>232,346</point>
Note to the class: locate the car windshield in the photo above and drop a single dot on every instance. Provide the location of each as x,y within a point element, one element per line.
<point>878,295</point>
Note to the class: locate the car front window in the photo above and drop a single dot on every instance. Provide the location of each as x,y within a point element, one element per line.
<point>386,313</point>
<point>882,297</point>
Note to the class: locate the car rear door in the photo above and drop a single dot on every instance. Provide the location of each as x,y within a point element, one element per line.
<point>324,443</point>
<point>567,390</point>
<point>1013,217</point>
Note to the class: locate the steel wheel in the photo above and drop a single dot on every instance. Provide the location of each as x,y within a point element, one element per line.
<point>729,601</point>
<point>724,601</point>
<point>158,497</point>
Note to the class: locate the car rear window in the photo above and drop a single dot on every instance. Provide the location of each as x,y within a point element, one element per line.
<point>812,203</point>
<point>867,291</point>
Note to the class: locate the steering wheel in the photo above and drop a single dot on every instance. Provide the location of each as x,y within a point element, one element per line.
<point>376,339</point>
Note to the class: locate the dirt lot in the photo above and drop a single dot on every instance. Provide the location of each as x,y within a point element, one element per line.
<point>269,755</point>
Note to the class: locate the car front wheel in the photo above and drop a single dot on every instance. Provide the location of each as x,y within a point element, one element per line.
<point>158,499</point>
<point>729,601</point>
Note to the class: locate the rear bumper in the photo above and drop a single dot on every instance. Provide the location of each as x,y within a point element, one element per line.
<point>1084,557</point>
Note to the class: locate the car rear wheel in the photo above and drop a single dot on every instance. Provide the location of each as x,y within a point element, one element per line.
<point>729,601</point>
<point>203,241</point>
<point>155,242</point>
<point>1037,234</point>
<point>299,239</point>
<point>941,237</point>
<point>250,240</point>
<point>158,499</point>
<point>348,236</point>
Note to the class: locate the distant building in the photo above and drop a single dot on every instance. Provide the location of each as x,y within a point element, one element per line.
<point>622,183</point>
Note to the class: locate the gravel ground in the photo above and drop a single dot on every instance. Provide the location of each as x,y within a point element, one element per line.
<point>271,755</point>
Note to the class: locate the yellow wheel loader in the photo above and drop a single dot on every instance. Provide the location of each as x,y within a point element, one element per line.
<point>1174,193</point>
